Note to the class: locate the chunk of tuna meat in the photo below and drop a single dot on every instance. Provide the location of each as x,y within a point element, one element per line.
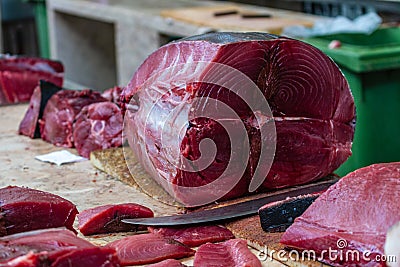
<point>60,113</point>
<point>107,218</point>
<point>97,126</point>
<point>35,248</point>
<point>168,263</point>
<point>148,248</point>
<point>29,125</point>
<point>351,217</point>
<point>20,75</point>
<point>230,253</point>
<point>24,209</point>
<point>310,101</point>
<point>113,95</point>
<point>196,235</point>
<point>104,257</point>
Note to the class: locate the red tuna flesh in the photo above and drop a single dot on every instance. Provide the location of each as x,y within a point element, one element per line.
<point>230,253</point>
<point>310,100</point>
<point>35,247</point>
<point>104,257</point>
<point>107,218</point>
<point>196,235</point>
<point>60,113</point>
<point>29,125</point>
<point>168,263</point>
<point>20,75</point>
<point>97,126</point>
<point>353,215</point>
<point>24,209</point>
<point>113,95</point>
<point>148,248</point>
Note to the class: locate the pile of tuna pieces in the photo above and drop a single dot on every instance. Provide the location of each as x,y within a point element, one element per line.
<point>37,230</point>
<point>84,119</point>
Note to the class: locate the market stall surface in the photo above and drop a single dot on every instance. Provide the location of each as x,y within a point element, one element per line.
<point>78,182</point>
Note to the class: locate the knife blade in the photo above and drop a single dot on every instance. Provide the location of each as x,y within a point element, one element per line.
<point>238,210</point>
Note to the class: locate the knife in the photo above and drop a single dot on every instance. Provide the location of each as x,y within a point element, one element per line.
<point>238,210</point>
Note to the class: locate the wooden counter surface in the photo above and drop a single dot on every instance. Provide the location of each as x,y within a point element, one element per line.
<point>78,182</point>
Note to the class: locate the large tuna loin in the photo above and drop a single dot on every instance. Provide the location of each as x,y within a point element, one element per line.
<point>60,113</point>
<point>29,125</point>
<point>24,209</point>
<point>183,88</point>
<point>351,218</point>
<point>97,126</point>
<point>20,75</point>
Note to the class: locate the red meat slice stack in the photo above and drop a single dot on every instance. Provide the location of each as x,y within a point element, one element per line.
<point>20,75</point>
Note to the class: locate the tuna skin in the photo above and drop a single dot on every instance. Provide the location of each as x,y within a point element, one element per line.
<point>309,97</point>
<point>107,218</point>
<point>29,125</point>
<point>359,209</point>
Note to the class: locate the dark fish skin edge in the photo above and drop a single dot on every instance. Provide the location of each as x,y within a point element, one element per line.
<point>278,216</point>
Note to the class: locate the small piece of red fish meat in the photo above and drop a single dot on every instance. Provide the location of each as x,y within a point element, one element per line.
<point>196,235</point>
<point>148,248</point>
<point>107,218</point>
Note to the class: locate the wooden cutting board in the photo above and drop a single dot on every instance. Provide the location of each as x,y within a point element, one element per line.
<point>204,16</point>
<point>112,161</point>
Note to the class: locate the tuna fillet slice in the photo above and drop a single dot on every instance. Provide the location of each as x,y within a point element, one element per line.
<point>104,257</point>
<point>29,125</point>
<point>230,253</point>
<point>184,86</point>
<point>38,246</point>
<point>107,218</point>
<point>24,209</point>
<point>148,248</point>
<point>196,235</point>
<point>168,263</point>
<point>60,113</point>
<point>351,217</point>
<point>97,126</point>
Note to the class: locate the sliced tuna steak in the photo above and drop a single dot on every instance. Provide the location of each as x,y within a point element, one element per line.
<point>196,235</point>
<point>230,253</point>
<point>60,113</point>
<point>97,126</point>
<point>20,75</point>
<point>29,125</point>
<point>24,209</point>
<point>104,257</point>
<point>148,248</point>
<point>40,246</point>
<point>351,217</point>
<point>107,218</point>
<point>168,263</point>
<point>310,101</point>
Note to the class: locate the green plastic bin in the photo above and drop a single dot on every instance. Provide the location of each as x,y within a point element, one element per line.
<point>40,11</point>
<point>371,64</point>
